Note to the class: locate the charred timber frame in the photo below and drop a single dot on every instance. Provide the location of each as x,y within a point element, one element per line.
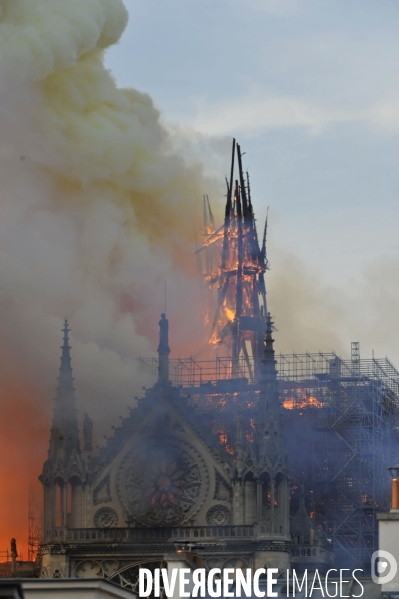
<point>238,317</point>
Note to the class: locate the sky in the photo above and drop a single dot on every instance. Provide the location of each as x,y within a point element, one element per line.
<point>310,89</point>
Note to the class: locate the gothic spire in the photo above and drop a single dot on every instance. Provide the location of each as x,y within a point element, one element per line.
<point>65,379</point>
<point>64,433</point>
<point>269,351</point>
<point>163,350</point>
<point>269,372</point>
<point>269,399</point>
<point>301,523</point>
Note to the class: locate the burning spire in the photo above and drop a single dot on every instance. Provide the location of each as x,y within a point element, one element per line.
<point>240,315</point>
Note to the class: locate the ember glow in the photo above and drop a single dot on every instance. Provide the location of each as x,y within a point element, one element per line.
<point>23,442</point>
<point>301,401</point>
<point>224,440</point>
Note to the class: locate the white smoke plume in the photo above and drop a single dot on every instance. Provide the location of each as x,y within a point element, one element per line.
<point>96,213</point>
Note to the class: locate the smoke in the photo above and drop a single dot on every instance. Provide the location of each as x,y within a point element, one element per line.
<point>315,313</point>
<point>98,208</point>
<point>97,212</point>
<point>310,315</point>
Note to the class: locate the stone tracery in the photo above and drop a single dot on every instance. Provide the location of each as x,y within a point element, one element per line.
<point>161,484</point>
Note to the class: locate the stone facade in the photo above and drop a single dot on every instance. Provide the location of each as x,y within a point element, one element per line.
<point>164,480</point>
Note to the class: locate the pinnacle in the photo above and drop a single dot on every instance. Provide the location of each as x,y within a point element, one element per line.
<point>64,418</point>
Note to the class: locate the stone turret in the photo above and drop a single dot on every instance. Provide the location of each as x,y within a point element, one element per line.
<point>272,474</point>
<point>163,350</point>
<point>269,425</point>
<point>64,472</point>
<point>311,550</point>
<point>87,435</point>
<point>261,489</point>
<point>64,439</point>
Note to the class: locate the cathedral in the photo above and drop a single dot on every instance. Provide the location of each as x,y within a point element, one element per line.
<point>207,477</point>
<point>164,481</point>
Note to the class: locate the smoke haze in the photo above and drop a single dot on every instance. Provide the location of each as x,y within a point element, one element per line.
<point>99,206</point>
<point>97,212</point>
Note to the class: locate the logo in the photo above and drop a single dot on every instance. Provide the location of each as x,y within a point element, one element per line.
<point>383,567</point>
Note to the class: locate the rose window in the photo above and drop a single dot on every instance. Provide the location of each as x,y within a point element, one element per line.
<point>161,485</point>
<point>165,485</point>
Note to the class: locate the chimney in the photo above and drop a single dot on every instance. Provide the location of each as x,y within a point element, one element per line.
<point>394,471</point>
<point>385,561</point>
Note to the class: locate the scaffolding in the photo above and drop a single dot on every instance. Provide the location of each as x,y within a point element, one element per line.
<point>347,437</point>
<point>341,416</point>
<point>189,372</point>
<point>341,424</point>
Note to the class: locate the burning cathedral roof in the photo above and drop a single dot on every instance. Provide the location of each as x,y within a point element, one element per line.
<point>236,263</point>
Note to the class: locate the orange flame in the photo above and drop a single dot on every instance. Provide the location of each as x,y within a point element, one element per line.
<point>303,401</point>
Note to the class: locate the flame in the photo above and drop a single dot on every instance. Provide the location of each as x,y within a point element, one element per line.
<point>230,314</point>
<point>242,261</point>
<point>301,402</point>
<point>223,438</point>
<point>226,317</point>
<point>213,237</point>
